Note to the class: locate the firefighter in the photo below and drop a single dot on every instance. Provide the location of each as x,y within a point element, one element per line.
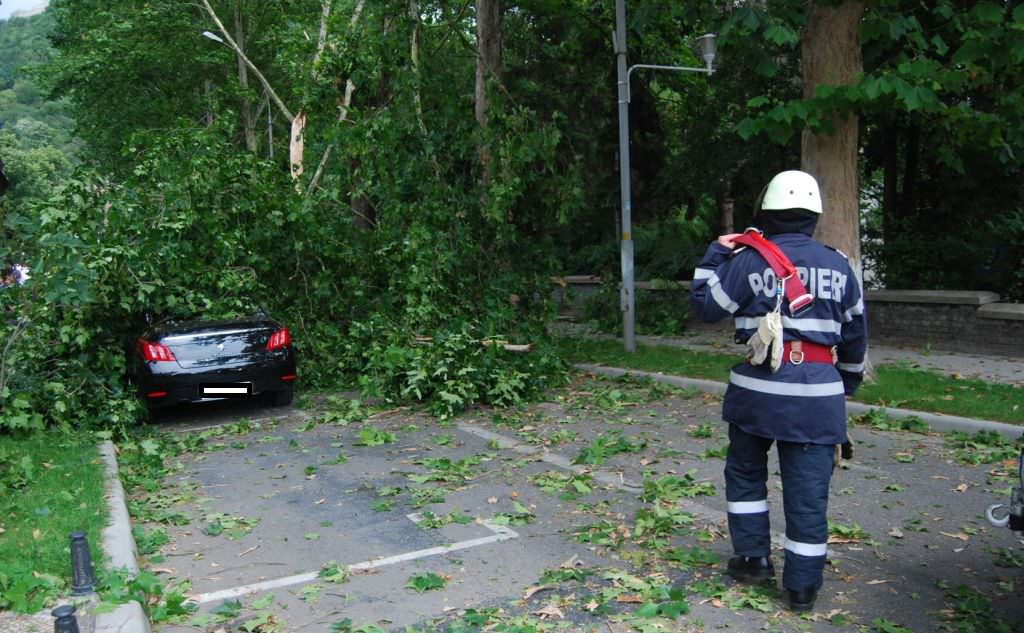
<point>799,405</point>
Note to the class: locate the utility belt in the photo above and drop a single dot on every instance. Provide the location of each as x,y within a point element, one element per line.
<point>799,352</point>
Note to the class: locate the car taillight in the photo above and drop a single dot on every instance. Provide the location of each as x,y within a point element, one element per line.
<point>280,338</point>
<point>153,351</point>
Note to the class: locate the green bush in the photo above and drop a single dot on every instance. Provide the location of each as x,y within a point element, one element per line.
<point>451,370</point>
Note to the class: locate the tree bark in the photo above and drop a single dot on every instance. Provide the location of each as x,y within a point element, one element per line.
<point>321,40</point>
<point>297,146</point>
<point>414,56</point>
<point>207,91</point>
<point>890,181</point>
<point>488,68</point>
<point>726,205</point>
<point>248,119</point>
<point>831,55</point>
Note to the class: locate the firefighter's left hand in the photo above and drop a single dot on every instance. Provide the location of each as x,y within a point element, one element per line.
<point>728,240</point>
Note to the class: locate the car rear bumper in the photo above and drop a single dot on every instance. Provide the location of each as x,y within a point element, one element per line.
<point>161,385</point>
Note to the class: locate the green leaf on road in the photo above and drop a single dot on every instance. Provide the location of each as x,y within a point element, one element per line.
<point>426,582</point>
<point>333,572</point>
<point>520,515</point>
<point>374,437</point>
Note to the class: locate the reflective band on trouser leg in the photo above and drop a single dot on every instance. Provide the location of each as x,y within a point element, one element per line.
<point>806,549</point>
<point>805,564</point>
<point>748,527</point>
<point>748,507</point>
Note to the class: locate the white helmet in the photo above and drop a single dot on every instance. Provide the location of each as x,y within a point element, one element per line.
<point>792,190</point>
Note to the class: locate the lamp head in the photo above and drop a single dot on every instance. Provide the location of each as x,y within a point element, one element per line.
<point>707,48</point>
<point>212,36</point>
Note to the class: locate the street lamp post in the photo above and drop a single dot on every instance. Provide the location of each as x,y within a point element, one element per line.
<point>627,293</point>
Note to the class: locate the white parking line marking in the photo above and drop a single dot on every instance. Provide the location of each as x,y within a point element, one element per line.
<point>499,533</point>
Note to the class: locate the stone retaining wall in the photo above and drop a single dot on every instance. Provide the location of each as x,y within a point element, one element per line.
<point>949,320</point>
<point>572,291</point>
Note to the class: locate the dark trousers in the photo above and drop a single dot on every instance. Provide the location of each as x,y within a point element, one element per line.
<point>806,473</point>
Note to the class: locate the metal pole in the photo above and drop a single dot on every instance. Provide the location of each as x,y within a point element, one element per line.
<point>626,294</point>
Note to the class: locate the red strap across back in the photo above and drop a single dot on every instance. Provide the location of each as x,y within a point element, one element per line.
<point>785,271</point>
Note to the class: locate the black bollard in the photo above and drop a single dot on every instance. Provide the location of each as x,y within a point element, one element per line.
<point>83,580</point>
<point>66,621</point>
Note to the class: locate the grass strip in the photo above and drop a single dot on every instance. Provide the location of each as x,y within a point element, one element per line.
<point>923,390</point>
<point>51,484</point>
<point>893,386</point>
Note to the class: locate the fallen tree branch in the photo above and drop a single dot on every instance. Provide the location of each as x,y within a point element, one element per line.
<point>315,182</point>
<point>486,342</point>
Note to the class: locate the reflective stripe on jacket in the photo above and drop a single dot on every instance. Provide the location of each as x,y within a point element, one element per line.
<point>799,403</point>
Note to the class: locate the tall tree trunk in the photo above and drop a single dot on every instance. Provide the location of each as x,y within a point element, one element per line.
<point>890,180</point>
<point>726,204</point>
<point>488,68</point>
<point>414,56</point>
<point>207,94</point>
<point>248,119</point>
<point>832,56</point>
<point>908,197</point>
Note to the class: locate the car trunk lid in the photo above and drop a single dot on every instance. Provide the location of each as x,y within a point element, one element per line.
<point>218,344</point>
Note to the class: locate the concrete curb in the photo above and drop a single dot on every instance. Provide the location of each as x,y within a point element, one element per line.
<point>118,542</point>
<point>937,422</point>
<point>119,546</point>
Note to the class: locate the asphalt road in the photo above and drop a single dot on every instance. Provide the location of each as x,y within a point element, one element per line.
<point>921,533</point>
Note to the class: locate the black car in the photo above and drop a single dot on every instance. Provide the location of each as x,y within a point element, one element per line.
<point>197,361</point>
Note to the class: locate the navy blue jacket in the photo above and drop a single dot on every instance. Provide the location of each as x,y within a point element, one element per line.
<point>799,403</point>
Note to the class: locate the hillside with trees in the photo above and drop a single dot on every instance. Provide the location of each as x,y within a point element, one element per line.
<point>36,132</point>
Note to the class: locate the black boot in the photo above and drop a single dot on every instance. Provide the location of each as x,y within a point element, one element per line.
<point>801,600</point>
<point>751,568</point>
